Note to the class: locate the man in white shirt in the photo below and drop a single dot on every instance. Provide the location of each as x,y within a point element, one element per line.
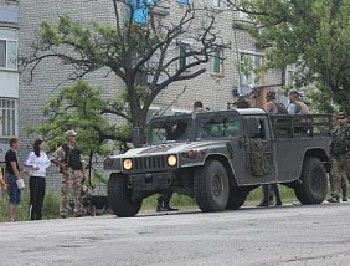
<point>293,106</point>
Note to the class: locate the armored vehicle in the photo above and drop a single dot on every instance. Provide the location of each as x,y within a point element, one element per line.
<point>218,157</point>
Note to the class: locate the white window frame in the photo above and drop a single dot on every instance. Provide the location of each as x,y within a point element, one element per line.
<point>153,111</point>
<point>7,40</point>
<point>222,60</point>
<point>290,68</point>
<point>13,123</point>
<point>217,4</point>
<point>178,53</point>
<point>253,75</point>
<point>243,15</point>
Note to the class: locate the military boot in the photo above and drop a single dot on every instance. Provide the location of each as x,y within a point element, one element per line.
<point>164,205</point>
<point>160,204</point>
<point>167,206</point>
<point>344,194</point>
<point>278,202</point>
<point>270,200</point>
<point>334,199</point>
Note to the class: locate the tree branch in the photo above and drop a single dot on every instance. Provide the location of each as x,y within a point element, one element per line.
<point>116,112</point>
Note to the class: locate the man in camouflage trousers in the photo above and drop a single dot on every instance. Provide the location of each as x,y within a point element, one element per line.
<point>68,157</point>
<point>340,152</point>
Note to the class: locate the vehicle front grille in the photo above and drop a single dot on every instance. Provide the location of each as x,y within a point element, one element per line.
<point>150,163</point>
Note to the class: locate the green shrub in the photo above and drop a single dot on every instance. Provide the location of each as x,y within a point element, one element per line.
<point>51,208</point>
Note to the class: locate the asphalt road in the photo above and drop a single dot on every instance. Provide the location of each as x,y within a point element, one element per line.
<point>288,236</point>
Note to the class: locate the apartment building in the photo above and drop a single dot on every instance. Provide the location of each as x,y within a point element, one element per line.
<point>9,76</point>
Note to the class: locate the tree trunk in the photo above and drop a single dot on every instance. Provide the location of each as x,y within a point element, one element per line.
<point>90,168</point>
<point>138,114</point>
<point>139,126</point>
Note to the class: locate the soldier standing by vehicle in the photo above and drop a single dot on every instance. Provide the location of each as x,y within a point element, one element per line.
<point>271,190</point>
<point>68,157</point>
<point>340,152</point>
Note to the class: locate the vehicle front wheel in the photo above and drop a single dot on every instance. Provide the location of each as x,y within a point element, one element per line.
<point>236,198</point>
<point>211,187</point>
<point>119,197</point>
<point>314,185</point>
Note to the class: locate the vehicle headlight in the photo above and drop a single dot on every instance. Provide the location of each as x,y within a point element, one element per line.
<point>172,160</point>
<point>127,164</point>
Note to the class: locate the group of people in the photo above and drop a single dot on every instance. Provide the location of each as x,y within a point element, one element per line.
<point>68,157</point>
<point>340,150</point>
<point>295,106</point>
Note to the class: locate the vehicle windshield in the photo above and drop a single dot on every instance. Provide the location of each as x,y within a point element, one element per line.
<point>170,131</point>
<point>217,127</point>
<point>178,130</point>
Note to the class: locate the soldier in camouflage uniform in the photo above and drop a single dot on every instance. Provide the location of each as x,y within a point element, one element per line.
<point>68,157</point>
<point>84,189</point>
<point>340,152</point>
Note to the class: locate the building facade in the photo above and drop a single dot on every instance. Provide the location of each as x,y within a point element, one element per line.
<point>9,75</point>
<point>231,71</point>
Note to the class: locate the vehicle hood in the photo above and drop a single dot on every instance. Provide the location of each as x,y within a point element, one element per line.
<point>173,148</point>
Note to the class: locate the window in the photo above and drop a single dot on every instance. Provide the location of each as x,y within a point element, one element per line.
<point>8,49</point>
<point>168,131</point>
<point>290,74</point>
<point>181,51</point>
<point>8,117</point>
<point>153,111</point>
<point>217,127</point>
<point>217,62</point>
<point>249,69</point>
<point>256,127</point>
<point>243,15</point>
<point>217,3</point>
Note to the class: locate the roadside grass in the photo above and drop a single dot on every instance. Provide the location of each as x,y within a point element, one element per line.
<point>51,208</point>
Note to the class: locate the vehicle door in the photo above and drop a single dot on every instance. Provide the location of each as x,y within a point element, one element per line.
<point>239,157</point>
<point>258,148</point>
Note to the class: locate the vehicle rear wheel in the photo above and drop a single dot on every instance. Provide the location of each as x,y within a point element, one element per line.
<point>236,199</point>
<point>211,187</point>
<point>119,197</point>
<point>313,189</point>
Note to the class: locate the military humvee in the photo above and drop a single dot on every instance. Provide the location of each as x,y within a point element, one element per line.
<point>218,157</point>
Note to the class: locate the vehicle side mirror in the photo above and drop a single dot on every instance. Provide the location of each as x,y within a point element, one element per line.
<point>136,137</point>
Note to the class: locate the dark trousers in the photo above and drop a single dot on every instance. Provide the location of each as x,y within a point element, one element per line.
<point>164,198</point>
<point>37,187</point>
<point>266,191</point>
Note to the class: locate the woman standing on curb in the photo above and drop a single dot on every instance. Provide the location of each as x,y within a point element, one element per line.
<point>38,162</point>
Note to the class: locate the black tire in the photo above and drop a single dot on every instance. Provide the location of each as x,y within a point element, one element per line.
<point>314,186</point>
<point>119,197</point>
<point>236,199</point>
<point>211,188</point>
